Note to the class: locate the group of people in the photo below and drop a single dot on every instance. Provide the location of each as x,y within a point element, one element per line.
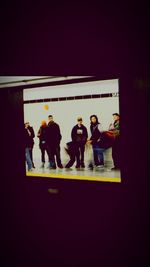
<point>50,137</point>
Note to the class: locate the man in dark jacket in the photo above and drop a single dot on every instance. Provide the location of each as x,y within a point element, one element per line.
<point>31,135</point>
<point>79,136</point>
<point>53,143</point>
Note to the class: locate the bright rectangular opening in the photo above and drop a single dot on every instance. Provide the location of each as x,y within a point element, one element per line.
<point>67,102</point>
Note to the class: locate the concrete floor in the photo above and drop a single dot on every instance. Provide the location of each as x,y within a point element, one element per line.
<point>73,173</point>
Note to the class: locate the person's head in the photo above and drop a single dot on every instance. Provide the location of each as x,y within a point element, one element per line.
<point>79,120</point>
<point>50,118</point>
<point>116,116</point>
<point>43,123</point>
<point>27,124</point>
<point>94,119</point>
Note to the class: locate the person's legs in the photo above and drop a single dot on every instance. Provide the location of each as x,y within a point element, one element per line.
<point>42,147</point>
<point>82,149</point>
<point>70,162</point>
<point>58,159</point>
<point>51,157</point>
<point>95,154</point>
<point>71,152</point>
<point>98,155</point>
<point>31,155</point>
<point>42,156</point>
<point>77,155</point>
<point>28,159</point>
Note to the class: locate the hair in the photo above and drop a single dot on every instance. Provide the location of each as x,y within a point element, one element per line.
<point>116,114</point>
<point>95,118</point>
<point>43,123</point>
<point>50,117</point>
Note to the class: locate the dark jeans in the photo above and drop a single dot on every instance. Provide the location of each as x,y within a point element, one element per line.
<point>71,152</point>
<point>98,154</point>
<point>70,162</point>
<point>28,159</point>
<point>43,149</point>
<point>31,154</point>
<point>52,152</point>
<point>79,153</point>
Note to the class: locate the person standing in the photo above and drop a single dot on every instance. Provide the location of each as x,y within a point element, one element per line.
<point>42,141</point>
<point>31,134</point>
<point>115,128</point>
<point>27,148</point>
<point>79,136</point>
<point>95,140</point>
<point>53,143</point>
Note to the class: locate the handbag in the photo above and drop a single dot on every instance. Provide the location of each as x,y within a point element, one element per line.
<point>107,139</point>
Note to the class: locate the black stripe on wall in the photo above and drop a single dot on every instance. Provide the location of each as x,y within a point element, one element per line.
<point>71,98</point>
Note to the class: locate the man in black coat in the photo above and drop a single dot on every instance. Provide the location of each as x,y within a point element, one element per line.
<point>79,137</point>
<point>31,136</point>
<point>53,143</point>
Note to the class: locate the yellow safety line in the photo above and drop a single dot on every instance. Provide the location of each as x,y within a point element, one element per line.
<point>75,177</point>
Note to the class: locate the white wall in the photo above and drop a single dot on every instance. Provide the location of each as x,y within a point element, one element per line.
<point>65,113</point>
<point>75,89</point>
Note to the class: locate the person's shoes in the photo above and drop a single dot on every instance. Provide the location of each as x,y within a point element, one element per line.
<point>33,165</point>
<point>60,166</point>
<point>30,170</point>
<point>82,165</point>
<point>90,168</point>
<point>52,167</point>
<point>100,166</point>
<point>77,166</point>
<point>67,167</point>
<point>114,168</point>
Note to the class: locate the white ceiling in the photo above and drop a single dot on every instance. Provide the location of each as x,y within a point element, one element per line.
<point>5,79</point>
<point>9,81</point>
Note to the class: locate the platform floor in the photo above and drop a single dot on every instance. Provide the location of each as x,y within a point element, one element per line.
<point>105,174</point>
